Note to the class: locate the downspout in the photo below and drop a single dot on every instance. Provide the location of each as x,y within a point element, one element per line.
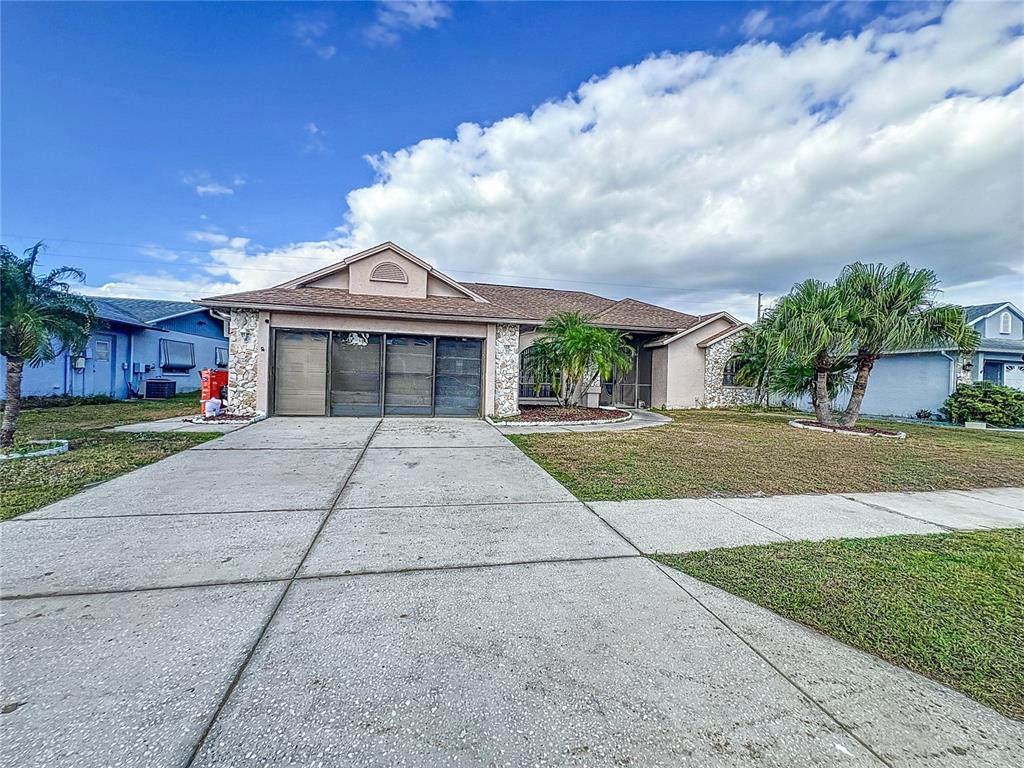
<point>952,371</point>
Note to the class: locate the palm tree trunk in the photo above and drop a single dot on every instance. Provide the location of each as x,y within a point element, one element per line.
<point>860,386</point>
<point>822,404</point>
<point>12,408</point>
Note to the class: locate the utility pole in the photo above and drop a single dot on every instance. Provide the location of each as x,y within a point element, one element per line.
<point>759,295</point>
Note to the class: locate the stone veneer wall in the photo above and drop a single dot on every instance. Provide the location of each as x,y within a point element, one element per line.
<point>715,394</point>
<point>506,370</point>
<point>243,360</point>
<point>962,376</point>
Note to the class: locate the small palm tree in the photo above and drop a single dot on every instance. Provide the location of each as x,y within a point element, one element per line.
<point>809,327</point>
<point>40,318</point>
<point>894,309</point>
<point>572,349</point>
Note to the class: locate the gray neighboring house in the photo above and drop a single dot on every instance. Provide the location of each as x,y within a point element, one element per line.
<point>902,383</point>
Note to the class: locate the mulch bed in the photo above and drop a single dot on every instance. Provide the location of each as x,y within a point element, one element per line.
<point>858,430</point>
<point>555,413</point>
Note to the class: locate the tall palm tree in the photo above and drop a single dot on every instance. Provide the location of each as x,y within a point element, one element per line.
<point>571,348</point>
<point>894,309</point>
<point>39,318</point>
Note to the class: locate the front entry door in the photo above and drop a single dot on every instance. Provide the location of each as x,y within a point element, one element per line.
<point>300,373</point>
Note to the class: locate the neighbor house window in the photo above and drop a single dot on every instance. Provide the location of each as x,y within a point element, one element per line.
<point>1005,323</point>
<point>388,272</point>
<point>221,357</point>
<point>103,351</point>
<point>177,356</point>
<point>732,367</point>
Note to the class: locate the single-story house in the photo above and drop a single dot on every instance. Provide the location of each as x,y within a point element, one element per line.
<point>137,340</point>
<point>384,332</point>
<point>903,383</point>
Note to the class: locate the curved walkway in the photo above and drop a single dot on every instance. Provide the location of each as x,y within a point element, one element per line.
<point>641,420</point>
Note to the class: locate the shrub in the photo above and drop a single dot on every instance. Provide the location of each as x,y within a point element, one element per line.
<point>924,413</point>
<point>984,401</point>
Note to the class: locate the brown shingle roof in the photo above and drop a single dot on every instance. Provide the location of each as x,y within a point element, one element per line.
<point>504,302</point>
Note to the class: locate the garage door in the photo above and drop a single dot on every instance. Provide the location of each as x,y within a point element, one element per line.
<point>300,373</point>
<point>369,374</point>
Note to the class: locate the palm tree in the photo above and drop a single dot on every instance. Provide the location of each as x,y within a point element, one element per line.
<point>572,349</point>
<point>39,318</point>
<point>894,309</point>
<point>810,327</point>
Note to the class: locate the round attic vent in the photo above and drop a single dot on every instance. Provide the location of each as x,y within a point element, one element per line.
<point>388,272</point>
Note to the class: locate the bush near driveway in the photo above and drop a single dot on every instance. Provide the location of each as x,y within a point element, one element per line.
<point>949,606</point>
<point>95,455</point>
<point>735,453</point>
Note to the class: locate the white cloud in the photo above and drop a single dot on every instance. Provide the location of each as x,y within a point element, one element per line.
<point>698,180</point>
<point>158,254</point>
<point>213,189</point>
<point>310,33</point>
<point>206,186</point>
<point>203,236</point>
<point>757,23</point>
<point>397,16</point>
<point>314,138</point>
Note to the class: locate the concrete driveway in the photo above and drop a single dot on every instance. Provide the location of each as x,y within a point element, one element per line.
<point>414,592</point>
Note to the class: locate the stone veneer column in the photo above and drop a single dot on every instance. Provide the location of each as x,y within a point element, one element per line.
<point>716,395</point>
<point>962,376</point>
<point>243,361</point>
<point>506,370</point>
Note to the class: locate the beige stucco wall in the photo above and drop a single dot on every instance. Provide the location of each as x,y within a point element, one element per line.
<point>659,377</point>
<point>359,277</point>
<point>685,367</point>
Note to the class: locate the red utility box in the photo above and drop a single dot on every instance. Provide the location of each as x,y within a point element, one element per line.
<point>212,383</point>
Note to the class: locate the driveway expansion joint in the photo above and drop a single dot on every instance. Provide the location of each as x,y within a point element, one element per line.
<point>277,605</point>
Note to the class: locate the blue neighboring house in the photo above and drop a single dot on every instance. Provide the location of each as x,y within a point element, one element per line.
<point>902,383</point>
<point>138,339</point>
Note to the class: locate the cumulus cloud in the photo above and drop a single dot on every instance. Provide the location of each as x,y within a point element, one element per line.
<point>397,16</point>
<point>699,180</point>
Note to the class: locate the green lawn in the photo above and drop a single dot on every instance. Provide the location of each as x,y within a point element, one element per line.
<point>949,606</point>
<point>94,455</point>
<point>736,453</point>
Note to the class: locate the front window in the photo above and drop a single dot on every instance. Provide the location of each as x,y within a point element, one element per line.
<point>534,377</point>
<point>732,367</point>
<point>177,356</point>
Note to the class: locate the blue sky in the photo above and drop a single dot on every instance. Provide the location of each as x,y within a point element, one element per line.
<point>138,138</point>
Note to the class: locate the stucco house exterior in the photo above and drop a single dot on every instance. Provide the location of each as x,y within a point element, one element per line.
<point>903,383</point>
<point>385,333</point>
<point>138,339</point>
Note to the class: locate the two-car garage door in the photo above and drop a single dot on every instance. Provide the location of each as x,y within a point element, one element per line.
<point>345,373</point>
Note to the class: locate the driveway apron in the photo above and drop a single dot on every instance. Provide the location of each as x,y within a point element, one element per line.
<point>364,592</point>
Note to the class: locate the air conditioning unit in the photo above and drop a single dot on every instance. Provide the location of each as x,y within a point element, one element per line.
<point>160,388</point>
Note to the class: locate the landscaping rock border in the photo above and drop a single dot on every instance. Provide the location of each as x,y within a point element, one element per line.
<point>840,431</point>
<point>53,450</point>
<point>619,420</point>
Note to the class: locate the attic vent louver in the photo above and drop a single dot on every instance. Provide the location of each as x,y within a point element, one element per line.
<point>388,272</point>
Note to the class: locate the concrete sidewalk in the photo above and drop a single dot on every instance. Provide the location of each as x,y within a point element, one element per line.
<point>690,525</point>
<point>358,592</point>
<point>175,424</point>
